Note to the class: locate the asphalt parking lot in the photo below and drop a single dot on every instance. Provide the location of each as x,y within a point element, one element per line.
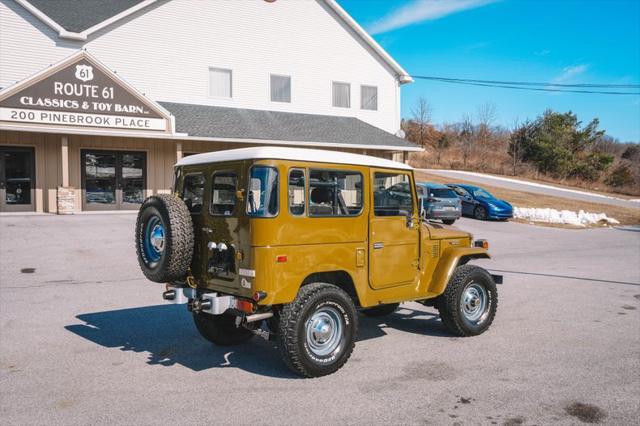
<point>85,339</point>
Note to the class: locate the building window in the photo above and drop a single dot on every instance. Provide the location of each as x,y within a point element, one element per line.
<point>341,95</point>
<point>280,88</point>
<point>220,83</point>
<point>369,97</point>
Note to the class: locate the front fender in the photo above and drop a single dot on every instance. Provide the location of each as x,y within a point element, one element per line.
<point>450,259</point>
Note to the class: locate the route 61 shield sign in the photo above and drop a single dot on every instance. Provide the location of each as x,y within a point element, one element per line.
<point>84,72</point>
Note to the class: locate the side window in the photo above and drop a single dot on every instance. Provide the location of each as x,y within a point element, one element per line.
<point>223,193</point>
<point>296,192</point>
<point>335,193</point>
<point>192,192</point>
<point>460,191</point>
<point>392,194</point>
<point>262,194</point>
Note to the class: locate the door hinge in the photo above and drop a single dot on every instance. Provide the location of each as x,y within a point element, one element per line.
<point>415,263</point>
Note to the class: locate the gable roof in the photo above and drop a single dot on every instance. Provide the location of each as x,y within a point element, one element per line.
<point>295,154</point>
<point>223,123</point>
<point>77,19</point>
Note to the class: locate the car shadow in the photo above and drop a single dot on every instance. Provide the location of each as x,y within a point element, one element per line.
<point>167,334</point>
<point>404,319</point>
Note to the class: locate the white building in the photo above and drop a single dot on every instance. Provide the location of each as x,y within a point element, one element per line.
<point>100,98</point>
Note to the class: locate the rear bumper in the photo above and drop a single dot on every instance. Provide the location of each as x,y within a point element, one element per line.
<point>212,303</point>
<point>443,214</point>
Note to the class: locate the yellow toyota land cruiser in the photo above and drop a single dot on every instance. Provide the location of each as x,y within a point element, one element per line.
<point>291,243</point>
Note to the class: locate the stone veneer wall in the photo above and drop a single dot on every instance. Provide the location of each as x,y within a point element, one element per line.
<point>66,200</point>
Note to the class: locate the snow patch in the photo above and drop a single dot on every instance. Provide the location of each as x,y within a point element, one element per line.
<point>566,217</point>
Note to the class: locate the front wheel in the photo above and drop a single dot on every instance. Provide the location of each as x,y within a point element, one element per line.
<point>221,330</point>
<point>469,303</point>
<point>317,331</point>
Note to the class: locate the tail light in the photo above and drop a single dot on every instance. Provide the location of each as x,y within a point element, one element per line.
<point>245,306</point>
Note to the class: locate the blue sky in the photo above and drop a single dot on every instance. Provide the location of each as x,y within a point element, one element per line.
<point>561,41</point>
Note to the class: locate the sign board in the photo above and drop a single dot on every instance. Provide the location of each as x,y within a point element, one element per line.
<point>81,93</point>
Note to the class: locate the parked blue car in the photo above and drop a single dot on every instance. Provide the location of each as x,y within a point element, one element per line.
<point>481,204</point>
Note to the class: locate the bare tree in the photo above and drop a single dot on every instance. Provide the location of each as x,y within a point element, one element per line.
<point>466,138</point>
<point>487,115</point>
<point>421,117</point>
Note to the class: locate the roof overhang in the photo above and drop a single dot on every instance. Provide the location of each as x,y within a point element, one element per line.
<point>186,137</point>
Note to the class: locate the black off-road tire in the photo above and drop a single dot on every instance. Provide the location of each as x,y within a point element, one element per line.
<point>221,330</point>
<point>381,310</point>
<point>292,340</point>
<point>448,221</point>
<point>480,213</point>
<point>175,259</point>
<point>450,307</point>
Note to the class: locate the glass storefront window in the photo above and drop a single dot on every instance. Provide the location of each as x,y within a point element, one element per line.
<point>100,178</point>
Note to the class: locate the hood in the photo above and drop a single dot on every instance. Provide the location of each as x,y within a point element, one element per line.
<point>439,232</point>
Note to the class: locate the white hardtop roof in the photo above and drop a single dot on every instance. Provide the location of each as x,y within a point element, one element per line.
<point>295,154</point>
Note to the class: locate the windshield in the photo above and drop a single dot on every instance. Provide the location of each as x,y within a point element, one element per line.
<point>262,194</point>
<point>481,193</point>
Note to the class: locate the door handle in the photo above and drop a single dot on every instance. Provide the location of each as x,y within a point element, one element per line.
<point>377,246</point>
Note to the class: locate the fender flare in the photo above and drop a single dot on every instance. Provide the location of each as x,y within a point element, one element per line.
<point>449,261</point>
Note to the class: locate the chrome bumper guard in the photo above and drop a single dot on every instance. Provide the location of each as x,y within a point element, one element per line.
<point>211,303</point>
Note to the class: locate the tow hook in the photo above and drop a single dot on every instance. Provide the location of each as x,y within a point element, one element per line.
<point>169,295</point>
<point>198,305</point>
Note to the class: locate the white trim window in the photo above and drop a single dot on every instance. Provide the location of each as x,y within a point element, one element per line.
<point>220,83</point>
<point>341,95</point>
<point>280,88</point>
<point>369,97</point>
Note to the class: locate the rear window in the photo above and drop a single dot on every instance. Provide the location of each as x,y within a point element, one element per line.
<point>223,193</point>
<point>192,192</point>
<point>262,194</point>
<point>442,193</point>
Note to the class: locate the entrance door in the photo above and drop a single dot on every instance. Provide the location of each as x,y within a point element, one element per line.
<point>17,179</point>
<point>113,180</point>
<point>393,243</point>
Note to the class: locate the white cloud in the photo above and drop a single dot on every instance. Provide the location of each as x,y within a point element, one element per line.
<point>423,10</point>
<point>569,73</point>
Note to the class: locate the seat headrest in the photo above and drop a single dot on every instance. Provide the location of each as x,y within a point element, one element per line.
<point>321,194</point>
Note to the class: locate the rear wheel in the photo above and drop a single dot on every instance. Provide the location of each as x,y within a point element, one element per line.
<point>381,310</point>
<point>480,213</point>
<point>221,330</point>
<point>317,331</point>
<point>448,221</point>
<point>468,305</point>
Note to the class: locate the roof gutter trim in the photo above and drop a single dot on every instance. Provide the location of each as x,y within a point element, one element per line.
<point>81,36</point>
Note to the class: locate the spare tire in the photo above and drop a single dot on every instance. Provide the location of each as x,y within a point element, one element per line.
<point>164,238</point>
